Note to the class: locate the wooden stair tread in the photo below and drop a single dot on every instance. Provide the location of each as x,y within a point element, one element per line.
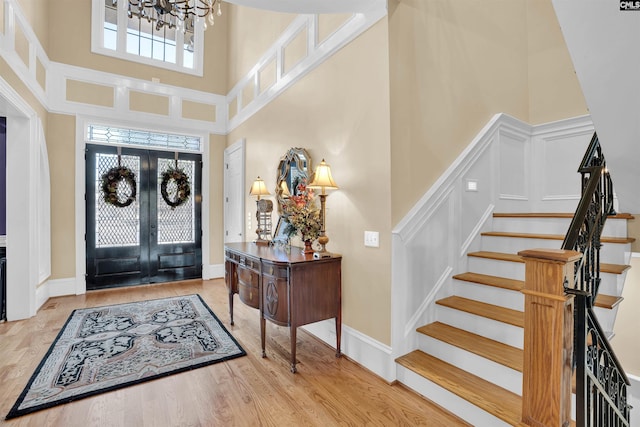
<point>603,239</point>
<point>607,301</point>
<point>602,300</point>
<point>551,215</point>
<point>495,281</point>
<point>499,402</point>
<point>613,268</point>
<point>501,314</point>
<point>498,352</point>
<point>500,256</point>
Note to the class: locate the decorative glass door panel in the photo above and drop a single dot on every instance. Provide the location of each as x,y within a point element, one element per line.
<point>148,240</point>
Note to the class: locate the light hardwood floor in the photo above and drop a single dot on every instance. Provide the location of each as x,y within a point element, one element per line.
<point>248,391</point>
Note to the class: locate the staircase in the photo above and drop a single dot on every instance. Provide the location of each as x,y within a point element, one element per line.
<point>470,359</point>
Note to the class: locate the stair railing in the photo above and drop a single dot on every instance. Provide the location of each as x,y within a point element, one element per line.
<point>601,383</point>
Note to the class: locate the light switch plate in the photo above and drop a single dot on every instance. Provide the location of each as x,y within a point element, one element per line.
<point>372,239</point>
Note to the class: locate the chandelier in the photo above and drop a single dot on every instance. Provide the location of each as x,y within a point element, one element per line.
<point>181,14</point>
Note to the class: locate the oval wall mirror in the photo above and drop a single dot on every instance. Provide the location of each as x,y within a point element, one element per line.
<point>294,168</point>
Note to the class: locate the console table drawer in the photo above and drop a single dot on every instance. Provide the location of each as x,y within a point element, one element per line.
<point>251,263</point>
<point>249,286</point>
<point>278,271</point>
<point>248,277</point>
<point>249,295</point>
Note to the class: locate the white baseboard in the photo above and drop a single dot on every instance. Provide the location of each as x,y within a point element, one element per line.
<point>214,271</point>
<point>54,288</point>
<point>362,349</point>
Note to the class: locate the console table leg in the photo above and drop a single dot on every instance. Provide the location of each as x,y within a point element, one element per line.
<point>231,307</point>
<point>262,335</point>
<point>293,349</point>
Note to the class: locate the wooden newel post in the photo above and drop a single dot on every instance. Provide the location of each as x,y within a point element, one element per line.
<point>548,337</point>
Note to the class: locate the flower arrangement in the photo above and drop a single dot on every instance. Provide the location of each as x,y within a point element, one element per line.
<point>302,213</point>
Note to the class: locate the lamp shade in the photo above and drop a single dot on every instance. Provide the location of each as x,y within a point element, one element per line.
<point>258,188</point>
<point>322,178</point>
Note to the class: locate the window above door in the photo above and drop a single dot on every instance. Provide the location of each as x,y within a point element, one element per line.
<point>106,134</point>
<point>118,31</point>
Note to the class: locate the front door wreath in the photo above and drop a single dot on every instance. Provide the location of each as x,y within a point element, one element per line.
<point>182,191</point>
<point>111,182</point>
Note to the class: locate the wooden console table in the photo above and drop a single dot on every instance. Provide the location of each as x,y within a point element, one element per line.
<point>289,288</point>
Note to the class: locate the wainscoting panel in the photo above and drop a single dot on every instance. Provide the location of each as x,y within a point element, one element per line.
<point>560,156</point>
<point>510,163</point>
<point>473,202</point>
<point>514,152</point>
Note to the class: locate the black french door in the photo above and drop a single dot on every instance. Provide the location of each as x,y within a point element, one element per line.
<point>147,241</point>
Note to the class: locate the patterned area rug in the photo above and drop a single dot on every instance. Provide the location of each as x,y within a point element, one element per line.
<point>106,348</point>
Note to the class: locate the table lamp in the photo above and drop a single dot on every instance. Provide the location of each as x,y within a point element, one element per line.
<point>322,179</point>
<point>263,211</point>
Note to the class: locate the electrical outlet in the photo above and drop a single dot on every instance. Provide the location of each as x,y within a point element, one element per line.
<point>372,239</point>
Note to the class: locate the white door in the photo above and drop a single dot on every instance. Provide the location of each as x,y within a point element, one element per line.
<point>234,192</point>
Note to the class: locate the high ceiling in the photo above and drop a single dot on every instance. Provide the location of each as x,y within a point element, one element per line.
<point>312,6</point>
<point>602,41</point>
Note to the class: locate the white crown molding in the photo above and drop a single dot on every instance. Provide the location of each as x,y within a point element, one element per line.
<point>316,54</point>
<point>59,74</point>
<point>54,97</point>
<point>14,18</point>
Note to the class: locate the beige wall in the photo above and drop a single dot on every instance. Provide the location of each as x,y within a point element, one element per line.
<point>554,90</point>
<point>61,143</point>
<point>37,14</point>
<point>453,66</point>
<point>389,112</point>
<point>340,112</point>
<point>251,33</point>
<point>69,42</point>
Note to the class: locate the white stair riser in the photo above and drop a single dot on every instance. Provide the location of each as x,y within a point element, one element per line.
<point>612,227</point>
<point>611,284</point>
<point>492,267</point>
<point>451,402</point>
<point>498,331</point>
<point>606,318</point>
<point>532,225</point>
<point>615,253</point>
<point>489,294</point>
<point>513,245</point>
<point>486,369</point>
